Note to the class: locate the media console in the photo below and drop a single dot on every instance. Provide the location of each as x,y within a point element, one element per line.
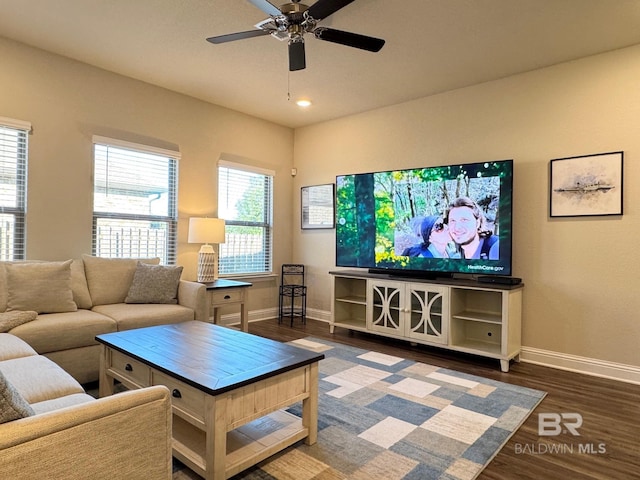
<point>462,315</point>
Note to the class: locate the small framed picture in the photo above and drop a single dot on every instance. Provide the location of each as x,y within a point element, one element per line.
<point>586,185</point>
<point>318,206</point>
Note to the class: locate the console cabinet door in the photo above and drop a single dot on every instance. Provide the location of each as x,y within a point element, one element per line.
<point>427,313</point>
<point>386,304</point>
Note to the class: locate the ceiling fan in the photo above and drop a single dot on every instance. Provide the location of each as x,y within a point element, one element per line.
<point>292,20</point>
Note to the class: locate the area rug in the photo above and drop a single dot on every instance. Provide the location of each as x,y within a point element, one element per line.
<point>385,417</point>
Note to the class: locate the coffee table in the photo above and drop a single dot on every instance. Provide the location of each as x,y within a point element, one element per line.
<point>228,390</point>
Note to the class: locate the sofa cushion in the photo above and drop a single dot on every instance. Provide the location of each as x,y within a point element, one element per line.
<point>109,279</point>
<point>63,331</point>
<point>38,379</point>
<point>14,347</point>
<point>82,363</point>
<point>12,405</point>
<point>44,287</point>
<point>61,402</point>
<point>12,319</point>
<point>154,284</point>
<point>79,286</point>
<point>130,316</point>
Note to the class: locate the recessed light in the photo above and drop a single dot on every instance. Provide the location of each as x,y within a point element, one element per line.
<point>303,103</point>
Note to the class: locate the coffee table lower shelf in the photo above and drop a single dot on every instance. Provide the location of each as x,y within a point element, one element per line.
<point>246,445</point>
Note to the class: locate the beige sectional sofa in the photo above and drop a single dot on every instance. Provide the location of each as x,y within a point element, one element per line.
<point>76,300</point>
<point>51,429</point>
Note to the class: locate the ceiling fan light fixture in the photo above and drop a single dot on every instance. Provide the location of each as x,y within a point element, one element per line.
<point>303,103</point>
<point>293,20</point>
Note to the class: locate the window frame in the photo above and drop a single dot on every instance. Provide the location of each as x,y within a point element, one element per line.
<point>266,225</point>
<point>17,248</point>
<point>170,220</point>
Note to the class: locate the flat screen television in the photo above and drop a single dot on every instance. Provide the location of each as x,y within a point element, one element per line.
<point>427,222</point>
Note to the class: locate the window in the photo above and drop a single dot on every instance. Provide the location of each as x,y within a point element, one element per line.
<point>245,199</point>
<point>13,182</point>
<point>134,201</point>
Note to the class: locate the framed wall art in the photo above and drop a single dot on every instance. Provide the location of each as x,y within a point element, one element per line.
<point>318,206</point>
<point>586,185</point>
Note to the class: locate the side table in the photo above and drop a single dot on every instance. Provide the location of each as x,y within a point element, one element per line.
<point>224,292</point>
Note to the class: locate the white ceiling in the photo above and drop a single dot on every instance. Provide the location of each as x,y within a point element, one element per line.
<point>431,46</point>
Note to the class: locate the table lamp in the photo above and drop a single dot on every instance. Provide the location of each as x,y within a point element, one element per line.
<point>206,231</point>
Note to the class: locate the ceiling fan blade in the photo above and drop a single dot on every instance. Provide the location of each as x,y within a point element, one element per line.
<point>266,7</point>
<point>323,8</point>
<point>297,59</point>
<point>349,39</point>
<point>230,37</point>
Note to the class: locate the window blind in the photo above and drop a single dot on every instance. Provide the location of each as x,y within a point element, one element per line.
<point>245,200</point>
<point>13,186</point>
<point>134,201</point>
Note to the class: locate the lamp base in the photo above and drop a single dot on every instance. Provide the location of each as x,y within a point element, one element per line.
<point>207,264</point>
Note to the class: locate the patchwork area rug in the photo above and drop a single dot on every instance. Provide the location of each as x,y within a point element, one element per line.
<point>385,417</point>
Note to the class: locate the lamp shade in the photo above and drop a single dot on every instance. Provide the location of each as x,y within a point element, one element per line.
<point>206,230</point>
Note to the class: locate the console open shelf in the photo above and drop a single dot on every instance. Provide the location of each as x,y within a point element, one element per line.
<point>350,303</point>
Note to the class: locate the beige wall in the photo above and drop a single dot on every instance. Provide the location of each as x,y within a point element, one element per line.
<point>67,102</point>
<point>581,274</point>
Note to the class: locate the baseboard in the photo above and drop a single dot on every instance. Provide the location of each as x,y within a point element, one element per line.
<point>321,315</point>
<point>546,358</point>
<point>253,315</point>
<point>268,313</point>
<point>585,365</point>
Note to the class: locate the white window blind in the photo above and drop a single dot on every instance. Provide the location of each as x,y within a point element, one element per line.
<point>13,186</point>
<point>245,202</point>
<point>134,201</point>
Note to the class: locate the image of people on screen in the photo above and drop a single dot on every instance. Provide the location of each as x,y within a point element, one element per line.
<point>436,241</point>
<point>467,227</point>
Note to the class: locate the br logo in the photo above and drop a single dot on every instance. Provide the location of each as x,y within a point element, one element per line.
<point>552,424</point>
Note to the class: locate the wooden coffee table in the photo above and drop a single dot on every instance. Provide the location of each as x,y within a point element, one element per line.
<point>228,389</point>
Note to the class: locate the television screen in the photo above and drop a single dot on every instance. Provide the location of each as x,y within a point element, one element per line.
<point>432,221</point>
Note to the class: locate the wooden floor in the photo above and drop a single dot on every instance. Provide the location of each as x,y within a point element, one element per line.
<point>608,446</point>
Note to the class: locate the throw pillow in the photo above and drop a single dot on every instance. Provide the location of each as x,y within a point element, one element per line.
<point>109,279</point>
<point>3,286</point>
<point>154,284</point>
<point>9,320</point>
<point>12,405</point>
<point>79,287</point>
<point>43,287</point>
